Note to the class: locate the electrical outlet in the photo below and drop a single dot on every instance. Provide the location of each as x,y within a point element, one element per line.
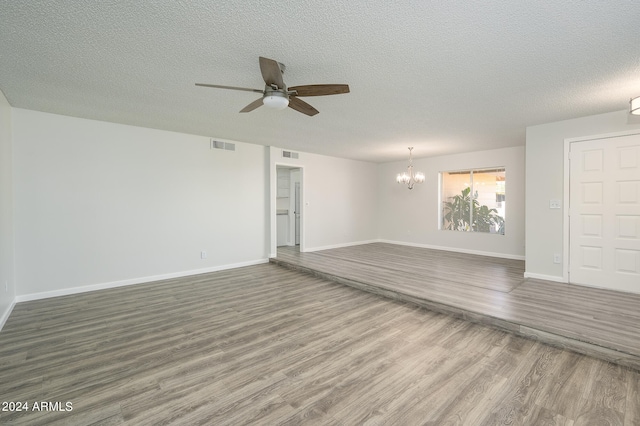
<point>203,254</point>
<point>557,258</point>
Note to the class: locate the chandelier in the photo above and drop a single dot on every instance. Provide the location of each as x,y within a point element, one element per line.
<point>409,177</point>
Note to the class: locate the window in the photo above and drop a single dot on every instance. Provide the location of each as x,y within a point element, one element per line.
<point>474,200</point>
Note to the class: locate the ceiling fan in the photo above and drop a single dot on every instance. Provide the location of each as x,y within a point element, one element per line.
<point>277,95</point>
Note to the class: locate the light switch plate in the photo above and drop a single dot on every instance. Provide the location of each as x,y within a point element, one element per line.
<point>554,204</point>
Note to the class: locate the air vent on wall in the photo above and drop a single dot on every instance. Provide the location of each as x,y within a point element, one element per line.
<point>222,145</point>
<point>289,154</point>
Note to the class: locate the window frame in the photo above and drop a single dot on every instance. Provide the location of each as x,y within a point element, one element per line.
<point>470,171</point>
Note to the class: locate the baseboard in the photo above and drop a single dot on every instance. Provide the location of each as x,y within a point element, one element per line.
<point>334,246</point>
<point>553,278</point>
<point>5,316</point>
<point>456,249</point>
<point>133,281</point>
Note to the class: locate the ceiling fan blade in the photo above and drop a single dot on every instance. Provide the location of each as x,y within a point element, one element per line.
<point>320,89</point>
<point>301,106</point>
<point>271,72</point>
<point>217,86</point>
<point>253,105</point>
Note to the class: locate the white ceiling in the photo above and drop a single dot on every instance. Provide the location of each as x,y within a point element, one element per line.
<point>444,77</point>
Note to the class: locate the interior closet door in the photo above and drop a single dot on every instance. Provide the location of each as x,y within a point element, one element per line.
<point>604,222</point>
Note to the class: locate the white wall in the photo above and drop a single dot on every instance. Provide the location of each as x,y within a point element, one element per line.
<point>339,200</point>
<point>411,216</point>
<point>545,181</point>
<point>100,204</point>
<point>7,283</point>
<point>87,204</point>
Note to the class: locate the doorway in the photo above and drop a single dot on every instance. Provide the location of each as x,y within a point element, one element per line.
<point>604,219</point>
<point>288,207</point>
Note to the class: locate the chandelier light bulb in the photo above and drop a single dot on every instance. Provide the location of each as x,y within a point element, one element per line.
<point>402,178</point>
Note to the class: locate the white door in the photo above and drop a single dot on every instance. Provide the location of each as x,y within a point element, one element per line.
<point>297,213</point>
<point>604,205</point>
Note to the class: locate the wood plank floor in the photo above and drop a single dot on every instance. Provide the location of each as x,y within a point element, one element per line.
<point>600,323</point>
<point>268,345</point>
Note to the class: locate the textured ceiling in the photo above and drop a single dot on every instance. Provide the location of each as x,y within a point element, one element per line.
<point>445,77</point>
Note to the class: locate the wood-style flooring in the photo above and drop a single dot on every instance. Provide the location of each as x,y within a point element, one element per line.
<point>492,291</point>
<point>266,345</point>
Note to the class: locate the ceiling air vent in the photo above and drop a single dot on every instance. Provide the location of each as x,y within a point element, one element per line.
<point>223,145</point>
<point>289,154</point>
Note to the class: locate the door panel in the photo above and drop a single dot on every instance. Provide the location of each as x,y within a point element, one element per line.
<point>297,213</point>
<point>604,225</point>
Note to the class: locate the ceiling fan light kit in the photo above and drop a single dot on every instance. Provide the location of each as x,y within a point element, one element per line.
<point>634,106</point>
<point>276,100</point>
<point>410,178</point>
<point>276,95</point>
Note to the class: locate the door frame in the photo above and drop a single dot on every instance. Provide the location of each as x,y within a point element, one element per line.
<point>273,245</point>
<point>566,231</point>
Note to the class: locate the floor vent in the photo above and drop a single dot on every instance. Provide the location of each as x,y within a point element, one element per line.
<point>289,154</point>
<point>223,145</point>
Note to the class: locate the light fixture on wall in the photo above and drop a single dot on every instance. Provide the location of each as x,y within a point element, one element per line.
<point>409,177</point>
<point>634,106</point>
